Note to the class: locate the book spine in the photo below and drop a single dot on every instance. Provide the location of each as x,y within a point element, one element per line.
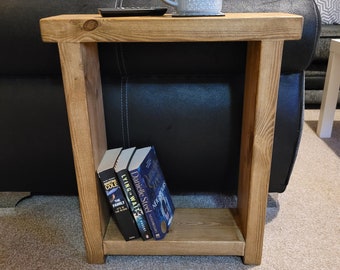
<point>134,203</point>
<point>121,211</point>
<point>146,202</point>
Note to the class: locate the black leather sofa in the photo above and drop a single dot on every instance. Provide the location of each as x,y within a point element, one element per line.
<point>316,71</point>
<point>184,98</point>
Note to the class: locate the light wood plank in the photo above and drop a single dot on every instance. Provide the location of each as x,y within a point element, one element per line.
<point>193,232</point>
<point>330,91</point>
<point>259,113</point>
<point>231,27</point>
<point>83,93</point>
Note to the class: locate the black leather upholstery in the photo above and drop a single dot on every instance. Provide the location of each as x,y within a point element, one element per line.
<point>184,98</point>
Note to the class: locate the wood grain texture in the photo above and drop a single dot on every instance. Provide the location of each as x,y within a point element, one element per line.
<point>193,232</point>
<point>232,26</point>
<point>259,112</point>
<point>83,93</point>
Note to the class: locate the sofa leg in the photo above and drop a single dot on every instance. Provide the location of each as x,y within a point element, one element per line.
<point>11,199</point>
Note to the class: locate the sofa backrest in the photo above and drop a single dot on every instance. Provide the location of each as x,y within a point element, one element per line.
<point>23,52</point>
<point>195,103</point>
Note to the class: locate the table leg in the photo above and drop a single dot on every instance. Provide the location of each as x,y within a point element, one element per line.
<point>259,113</point>
<point>83,94</point>
<point>331,92</point>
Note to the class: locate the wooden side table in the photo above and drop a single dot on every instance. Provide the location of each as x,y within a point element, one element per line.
<point>330,92</point>
<point>195,231</point>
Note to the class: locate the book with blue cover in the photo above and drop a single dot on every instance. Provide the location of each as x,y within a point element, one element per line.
<point>115,196</point>
<point>149,181</point>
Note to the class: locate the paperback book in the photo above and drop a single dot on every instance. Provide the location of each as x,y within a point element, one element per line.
<point>152,190</point>
<point>115,196</point>
<point>121,168</point>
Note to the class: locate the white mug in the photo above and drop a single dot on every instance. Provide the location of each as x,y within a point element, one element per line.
<point>196,7</point>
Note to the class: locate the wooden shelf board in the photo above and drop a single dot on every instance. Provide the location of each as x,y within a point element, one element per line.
<point>195,231</point>
<point>232,26</point>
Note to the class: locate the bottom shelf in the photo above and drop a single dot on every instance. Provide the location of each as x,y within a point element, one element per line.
<point>195,231</point>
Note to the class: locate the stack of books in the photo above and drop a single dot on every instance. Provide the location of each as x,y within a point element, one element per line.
<point>137,192</point>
